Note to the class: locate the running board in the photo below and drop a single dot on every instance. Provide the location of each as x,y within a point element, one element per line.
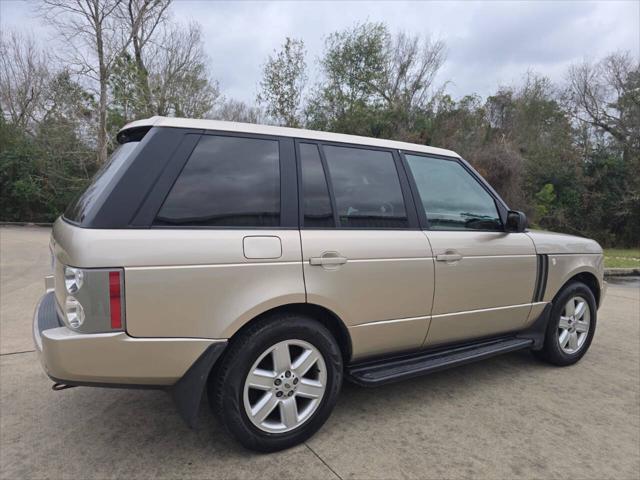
<point>379,372</point>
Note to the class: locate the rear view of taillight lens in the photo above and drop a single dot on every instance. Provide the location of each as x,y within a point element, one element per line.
<point>115,300</point>
<point>93,299</point>
<point>74,311</point>
<point>73,279</point>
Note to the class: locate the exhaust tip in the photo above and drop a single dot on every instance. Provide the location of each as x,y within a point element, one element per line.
<point>56,387</point>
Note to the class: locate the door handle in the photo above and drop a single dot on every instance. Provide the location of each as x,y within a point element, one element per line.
<point>449,257</point>
<point>327,260</point>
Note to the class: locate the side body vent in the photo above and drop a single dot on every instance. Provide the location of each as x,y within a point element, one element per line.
<point>541,278</point>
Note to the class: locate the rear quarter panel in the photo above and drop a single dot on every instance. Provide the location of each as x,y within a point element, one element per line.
<point>192,283</point>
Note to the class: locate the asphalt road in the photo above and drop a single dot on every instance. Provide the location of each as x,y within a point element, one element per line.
<point>507,417</point>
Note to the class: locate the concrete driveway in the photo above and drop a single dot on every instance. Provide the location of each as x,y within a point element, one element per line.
<point>503,418</point>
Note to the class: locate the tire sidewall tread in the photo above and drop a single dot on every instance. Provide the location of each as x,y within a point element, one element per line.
<point>226,383</point>
<point>551,351</point>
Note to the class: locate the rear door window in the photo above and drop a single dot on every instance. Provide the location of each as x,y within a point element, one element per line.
<point>227,182</point>
<point>366,187</point>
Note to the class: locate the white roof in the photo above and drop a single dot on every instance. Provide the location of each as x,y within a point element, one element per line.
<point>284,132</point>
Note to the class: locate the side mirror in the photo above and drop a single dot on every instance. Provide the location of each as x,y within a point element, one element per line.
<point>516,221</point>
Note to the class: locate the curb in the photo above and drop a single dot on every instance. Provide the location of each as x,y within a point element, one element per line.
<point>621,272</point>
<point>25,224</point>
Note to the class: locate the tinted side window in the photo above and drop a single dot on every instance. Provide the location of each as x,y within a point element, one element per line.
<point>316,203</point>
<point>227,181</point>
<point>366,188</point>
<point>120,158</point>
<point>452,198</point>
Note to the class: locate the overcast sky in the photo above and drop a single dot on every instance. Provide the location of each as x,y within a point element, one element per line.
<point>489,43</point>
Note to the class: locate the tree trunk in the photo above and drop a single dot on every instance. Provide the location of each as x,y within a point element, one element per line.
<point>102,105</point>
<point>102,120</point>
<point>143,78</point>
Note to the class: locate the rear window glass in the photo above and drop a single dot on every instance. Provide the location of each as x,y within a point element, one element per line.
<point>366,188</point>
<point>227,182</point>
<point>101,184</point>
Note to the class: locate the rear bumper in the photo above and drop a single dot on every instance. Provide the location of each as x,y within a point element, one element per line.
<point>112,359</point>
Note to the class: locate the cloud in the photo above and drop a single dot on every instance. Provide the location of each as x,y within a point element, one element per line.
<point>489,44</point>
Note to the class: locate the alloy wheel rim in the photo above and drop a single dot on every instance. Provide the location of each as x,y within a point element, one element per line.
<point>285,386</point>
<point>574,325</point>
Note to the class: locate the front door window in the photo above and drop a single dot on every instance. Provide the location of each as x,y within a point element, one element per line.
<point>452,198</point>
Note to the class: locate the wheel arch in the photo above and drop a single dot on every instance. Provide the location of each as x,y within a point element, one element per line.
<point>563,269</point>
<point>590,280</point>
<point>322,314</point>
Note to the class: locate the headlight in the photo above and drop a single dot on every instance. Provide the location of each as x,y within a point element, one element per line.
<point>74,311</point>
<point>73,278</point>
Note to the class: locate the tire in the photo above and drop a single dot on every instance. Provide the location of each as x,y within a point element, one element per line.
<point>556,335</point>
<point>231,397</point>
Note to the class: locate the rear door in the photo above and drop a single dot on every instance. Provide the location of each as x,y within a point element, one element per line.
<point>485,277</point>
<point>364,256</point>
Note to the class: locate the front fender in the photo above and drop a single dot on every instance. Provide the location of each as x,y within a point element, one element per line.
<point>563,268</point>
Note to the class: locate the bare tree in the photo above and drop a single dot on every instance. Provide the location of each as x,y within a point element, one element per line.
<point>413,63</point>
<point>237,111</point>
<point>23,79</point>
<point>179,80</point>
<point>144,17</point>
<point>283,79</point>
<point>408,81</point>
<point>97,38</point>
<point>606,95</point>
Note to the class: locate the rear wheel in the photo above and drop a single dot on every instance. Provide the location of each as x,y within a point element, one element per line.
<point>278,382</point>
<point>571,326</point>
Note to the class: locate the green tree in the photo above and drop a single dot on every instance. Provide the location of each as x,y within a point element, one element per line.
<point>603,98</point>
<point>283,80</point>
<point>41,170</point>
<point>375,83</point>
<point>544,201</point>
<point>129,100</point>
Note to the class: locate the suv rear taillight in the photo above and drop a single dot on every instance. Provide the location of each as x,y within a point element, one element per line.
<point>91,299</point>
<point>115,303</point>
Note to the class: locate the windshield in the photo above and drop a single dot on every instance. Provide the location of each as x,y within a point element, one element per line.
<point>102,183</point>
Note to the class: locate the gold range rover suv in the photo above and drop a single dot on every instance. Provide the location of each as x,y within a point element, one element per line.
<point>265,265</point>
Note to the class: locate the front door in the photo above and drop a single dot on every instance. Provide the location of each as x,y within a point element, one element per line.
<point>485,277</point>
<point>363,257</point>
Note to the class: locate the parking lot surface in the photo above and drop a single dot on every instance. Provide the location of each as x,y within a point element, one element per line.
<point>507,417</point>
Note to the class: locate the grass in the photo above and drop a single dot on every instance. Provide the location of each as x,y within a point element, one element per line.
<point>622,258</point>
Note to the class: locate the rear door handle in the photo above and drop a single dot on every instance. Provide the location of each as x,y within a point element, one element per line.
<point>327,260</point>
<point>448,257</point>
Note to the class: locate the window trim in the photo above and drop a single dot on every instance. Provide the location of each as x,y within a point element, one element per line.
<point>298,142</point>
<point>501,206</point>
<point>164,181</point>
<point>288,186</point>
<point>332,193</point>
<point>403,179</point>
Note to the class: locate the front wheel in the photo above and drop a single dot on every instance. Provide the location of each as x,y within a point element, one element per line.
<point>277,383</point>
<point>571,326</point>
